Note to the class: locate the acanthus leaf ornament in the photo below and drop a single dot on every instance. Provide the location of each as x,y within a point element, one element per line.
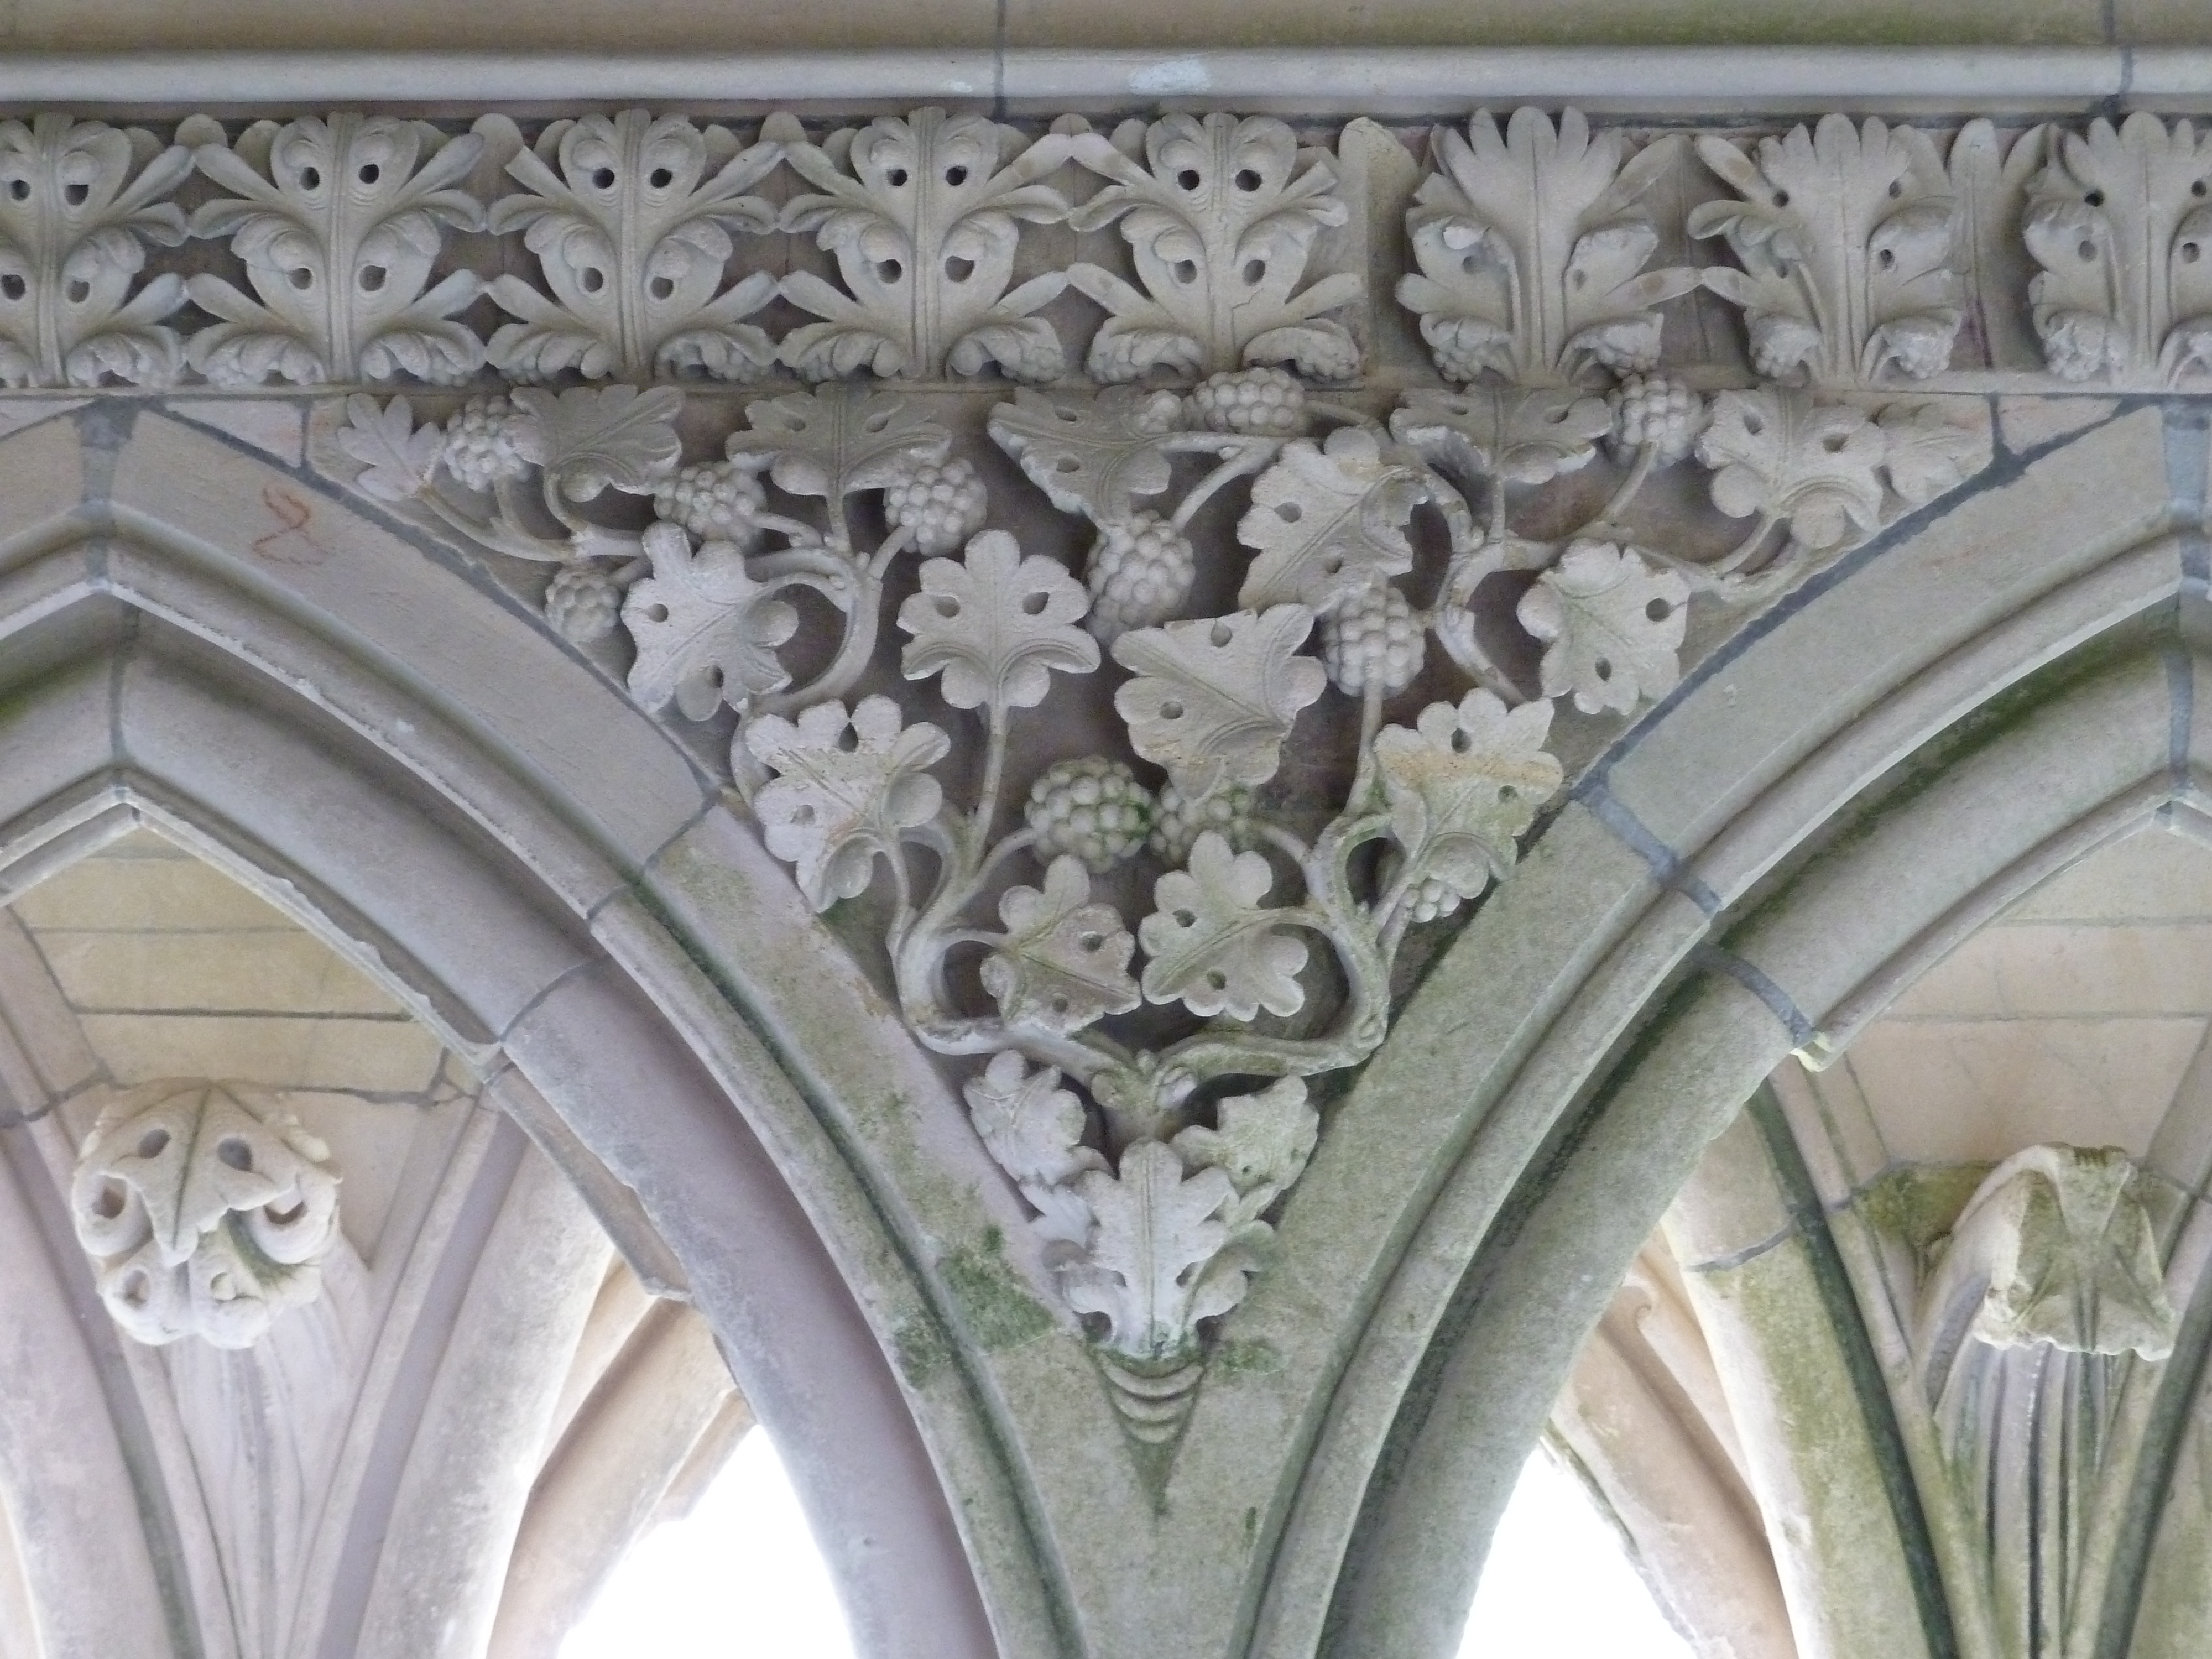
<point>1844,238</point>
<point>1531,244</point>
<point>633,220</point>
<point>75,222</point>
<point>339,223</point>
<point>924,228</point>
<point>1220,220</point>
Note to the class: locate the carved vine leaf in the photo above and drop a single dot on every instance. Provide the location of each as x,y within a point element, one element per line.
<point>706,631</point>
<point>338,238</point>
<point>1063,962</point>
<point>74,226</point>
<point>1789,458</point>
<point>1612,627</point>
<point>1464,784</point>
<point>1845,235</point>
<point>832,809</point>
<point>1262,1146</point>
<point>1094,456</point>
<point>997,626</point>
<point>1493,431</point>
<point>1213,699</point>
<point>1925,454</point>
<point>833,441</point>
<point>924,229</point>
<point>1157,1234</point>
<point>1034,1128</point>
<point>591,439</point>
<point>398,459</point>
<point>2120,222</point>
<point>1531,244</point>
<point>632,219</point>
<point>1327,521</point>
<point>1220,223</point>
<point>1211,946</point>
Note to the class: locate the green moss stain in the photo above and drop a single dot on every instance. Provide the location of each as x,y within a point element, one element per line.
<point>1247,1359</point>
<point>999,1313</point>
<point>922,1351</point>
<point>1917,1205</point>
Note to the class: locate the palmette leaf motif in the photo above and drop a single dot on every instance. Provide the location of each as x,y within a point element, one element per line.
<point>1213,699</point>
<point>1517,435</point>
<point>1783,455</point>
<point>1063,962</point>
<point>398,459</point>
<point>996,626</point>
<point>1220,221</point>
<point>632,219</point>
<point>339,236</point>
<point>592,439</point>
<point>831,809</point>
<point>835,440</point>
<point>1532,243</point>
<point>1157,1233</point>
<point>1464,784</point>
<point>924,228</point>
<point>706,631</point>
<point>1094,456</point>
<point>1210,944</point>
<point>2121,225</point>
<point>1262,1146</point>
<point>74,226</point>
<point>1612,627</point>
<point>1328,521</point>
<point>1845,235</point>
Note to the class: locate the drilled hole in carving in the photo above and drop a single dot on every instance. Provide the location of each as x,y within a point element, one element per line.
<point>1507,792</point>
<point>590,279</point>
<point>20,189</point>
<point>1332,564</point>
<point>1578,278</point>
<point>657,613</point>
<point>13,286</point>
<point>1216,979</point>
<point>889,270</point>
<point>285,1216</point>
<point>301,277</point>
<point>108,1203</point>
<point>1186,271</point>
<point>135,1289</point>
<point>947,607</point>
<point>1220,636</point>
<point>1833,443</point>
<point>1461,742</point>
<point>78,290</point>
<point>603,178</point>
<point>956,176</point>
<point>1092,941</point>
<point>2190,253</point>
<point>2199,188</point>
<point>1289,512</point>
<point>222,1287</point>
<point>1247,179</point>
<point>877,421</point>
<point>1885,259</point>
<point>372,278</point>
<point>1470,265</point>
<point>1602,668</point>
<point>958,270</point>
<point>2095,199</point>
<point>1658,610</point>
<point>311,177</point>
<point>2087,251</point>
<point>1896,189</point>
<point>1070,416</point>
<point>660,178</point>
<point>661,287</point>
<point>896,178</point>
<point>802,813</point>
<point>370,173</point>
<point>1753,424</point>
<point>153,1143</point>
<point>1255,272</point>
<point>1781,198</point>
<point>1060,1005</point>
<point>1172,710</point>
<point>1186,918</point>
<point>234,1153</point>
<point>1189,179</point>
<point>1066,463</point>
<point>1033,604</point>
<point>76,195</point>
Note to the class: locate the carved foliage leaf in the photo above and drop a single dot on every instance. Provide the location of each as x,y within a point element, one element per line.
<point>1210,943</point>
<point>833,808</point>
<point>1213,699</point>
<point>996,625</point>
<point>1464,784</point>
<point>1262,1146</point>
<point>2121,223</point>
<point>1845,236</point>
<point>339,224</point>
<point>1220,223</point>
<point>1531,244</point>
<point>591,439</point>
<point>1782,454</point>
<point>1503,432</point>
<point>1327,521</point>
<point>1030,1125</point>
<point>1063,962</point>
<point>833,441</point>
<point>632,219</point>
<point>398,459</point>
<point>1156,1233</point>
<point>924,228</point>
<point>706,631</point>
<point>1612,627</point>
<point>1094,456</point>
<point>74,223</point>
<point>1990,181</point>
<point>1925,454</point>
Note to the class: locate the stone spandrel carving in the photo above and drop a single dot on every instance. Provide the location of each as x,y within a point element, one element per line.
<point>79,202</point>
<point>338,223</point>
<point>634,221</point>
<point>207,1210</point>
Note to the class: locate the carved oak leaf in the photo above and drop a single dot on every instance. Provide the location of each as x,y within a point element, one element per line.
<point>1464,784</point>
<point>1493,431</point>
<point>833,441</point>
<point>1030,1125</point>
<point>1145,1271</point>
<point>1063,962</point>
<point>1780,454</point>
<point>631,219</point>
<point>1213,699</point>
<point>1926,453</point>
<point>1220,223</point>
<point>1327,521</point>
<point>996,625</point>
<point>1209,944</point>
<point>74,226</point>
<point>706,631</point>
<point>1531,244</point>
<point>831,809</point>
<point>1263,1145</point>
<point>398,460</point>
<point>339,240</point>
<point>1094,456</point>
<point>589,439</point>
<point>1612,627</point>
